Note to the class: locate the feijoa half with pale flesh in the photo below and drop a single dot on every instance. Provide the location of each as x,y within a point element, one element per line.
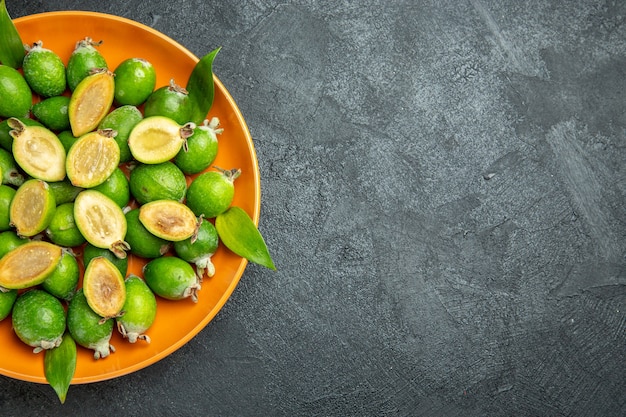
<point>101,221</point>
<point>104,288</point>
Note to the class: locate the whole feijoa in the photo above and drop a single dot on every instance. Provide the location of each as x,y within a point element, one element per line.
<point>212,192</point>
<point>39,319</point>
<point>53,113</point>
<point>139,309</point>
<point>63,281</point>
<point>135,79</point>
<point>16,96</point>
<point>87,328</point>
<point>171,101</point>
<point>84,58</point>
<point>7,299</point>
<point>122,119</point>
<point>201,148</point>
<point>44,71</point>
<point>171,278</point>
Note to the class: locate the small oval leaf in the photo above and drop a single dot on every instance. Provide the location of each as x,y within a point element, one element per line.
<point>60,365</point>
<point>11,47</point>
<point>238,233</point>
<point>200,87</point>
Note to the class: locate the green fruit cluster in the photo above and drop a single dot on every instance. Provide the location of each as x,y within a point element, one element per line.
<point>51,86</point>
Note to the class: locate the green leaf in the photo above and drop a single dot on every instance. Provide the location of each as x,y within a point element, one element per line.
<point>238,233</point>
<point>200,87</point>
<point>60,365</point>
<point>11,47</point>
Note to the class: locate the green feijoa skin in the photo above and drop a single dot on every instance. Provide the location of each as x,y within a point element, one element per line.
<point>39,319</point>
<point>87,328</point>
<point>84,58</point>
<point>238,233</point>
<point>135,79</point>
<point>139,309</point>
<point>200,87</point>
<point>90,251</point>
<point>63,281</point>
<point>122,119</point>
<point>116,188</point>
<point>201,148</point>
<point>164,181</point>
<point>7,299</point>
<point>11,46</point>
<point>10,240</point>
<point>142,242</point>
<point>6,140</point>
<point>52,113</point>
<point>64,191</point>
<point>170,101</point>
<point>60,366</point>
<point>11,174</point>
<point>171,278</point>
<point>16,96</point>
<point>44,71</point>
<point>62,229</point>
<point>6,196</point>
<point>212,192</point>
<point>67,139</point>
<point>199,251</point>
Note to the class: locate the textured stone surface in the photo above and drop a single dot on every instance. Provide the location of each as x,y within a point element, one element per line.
<point>443,193</point>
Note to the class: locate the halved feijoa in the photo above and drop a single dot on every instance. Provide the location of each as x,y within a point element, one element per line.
<point>92,158</point>
<point>104,287</point>
<point>157,139</point>
<point>168,219</point>
<point>91,100</point>
<point>101,221</point>
<point>29,264</point>
<point>32,208</point>
<point>38,151</point>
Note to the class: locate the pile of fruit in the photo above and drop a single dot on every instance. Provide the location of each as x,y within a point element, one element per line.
<point>101,165</point>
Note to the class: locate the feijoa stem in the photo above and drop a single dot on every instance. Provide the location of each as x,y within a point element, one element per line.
<point>60,365</point>
<point>12,50</point>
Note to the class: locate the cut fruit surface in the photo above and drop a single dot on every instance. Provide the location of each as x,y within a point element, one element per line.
<point>29,264</point>
<point>157,139</point>
<point>168,219</point>
<point>32,208</point>
<point>90,102</point>
<point>101,221</point>
<point>38,151</point>
<point>92,158</point>
<point>104,287</point>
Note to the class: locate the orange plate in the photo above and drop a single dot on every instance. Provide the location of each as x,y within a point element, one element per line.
<point>177,321</point>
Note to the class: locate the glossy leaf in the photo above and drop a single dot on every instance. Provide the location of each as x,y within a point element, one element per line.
<point>200,87</point>
<point>60,365</point>
<point>11,47</point>
<point>238,233</point>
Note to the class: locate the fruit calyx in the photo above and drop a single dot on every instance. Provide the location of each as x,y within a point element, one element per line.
<point>231,175</point>
<point>119,249</point>
<point>88,42</point>
<point>37,46</point>
<point>211,126</point>
<point>177,88</point>
<point>185,131</point>
<point>131,336</point>
<point>48,344</point>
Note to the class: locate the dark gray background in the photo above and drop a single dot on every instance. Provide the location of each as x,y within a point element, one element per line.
<point>443,191</point>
